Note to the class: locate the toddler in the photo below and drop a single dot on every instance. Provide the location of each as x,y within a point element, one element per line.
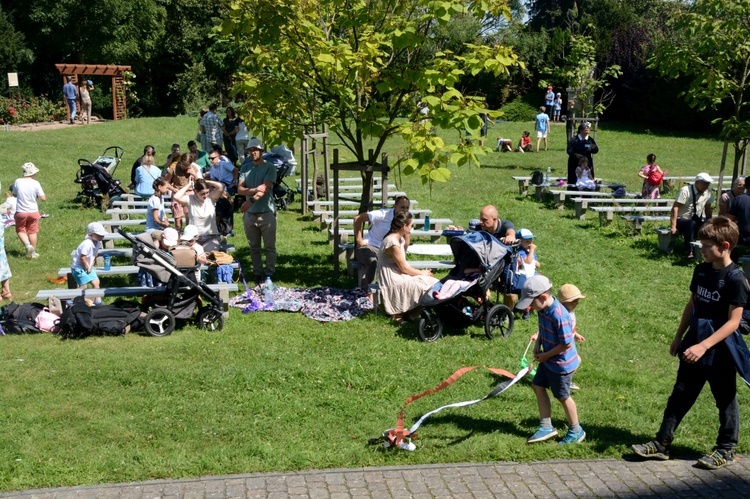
<point>528,259</point>
<point>652,176</point>
<point>584,179</point>
<point>82,266</point>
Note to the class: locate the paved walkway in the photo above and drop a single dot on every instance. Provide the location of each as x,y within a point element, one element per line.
<point>573,479</point>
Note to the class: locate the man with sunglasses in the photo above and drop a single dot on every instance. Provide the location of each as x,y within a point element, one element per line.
<point>256,181</point>
<point>223,171</point>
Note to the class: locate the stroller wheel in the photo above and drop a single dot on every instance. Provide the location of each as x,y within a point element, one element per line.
<point>160,322</point>
<point>499,321</point>
<point>430,327</point>
<point>210,319</point>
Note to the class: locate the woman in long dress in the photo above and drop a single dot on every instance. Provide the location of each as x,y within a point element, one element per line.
<point>401,285</point>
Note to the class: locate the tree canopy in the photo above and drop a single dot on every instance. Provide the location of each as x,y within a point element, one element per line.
<point>711,47</point>
<point>362,66</point>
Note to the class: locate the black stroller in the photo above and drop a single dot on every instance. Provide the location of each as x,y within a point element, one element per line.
<point>283,195</point>
<point>97,183</point>
<point>471,304</point>
<point>182,290</point>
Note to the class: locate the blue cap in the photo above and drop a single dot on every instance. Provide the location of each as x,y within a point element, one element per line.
<point>91,83</point>
<point>524,234</point>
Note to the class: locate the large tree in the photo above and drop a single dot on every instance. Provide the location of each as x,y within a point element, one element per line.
<point>360,66</point>
<point>711,46</point>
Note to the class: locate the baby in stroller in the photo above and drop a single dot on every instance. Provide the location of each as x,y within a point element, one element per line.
<point>464,297</point>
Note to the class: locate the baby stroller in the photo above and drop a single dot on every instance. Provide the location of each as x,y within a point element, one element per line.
<point>471,303</point>
<point>96,178</point>
<point>283,195</point>
<point>182,291</point>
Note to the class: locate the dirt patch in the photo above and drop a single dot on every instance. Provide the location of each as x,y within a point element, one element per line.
<point>48,125</point>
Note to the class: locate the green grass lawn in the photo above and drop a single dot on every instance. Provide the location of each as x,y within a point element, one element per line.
<point>278,391</point>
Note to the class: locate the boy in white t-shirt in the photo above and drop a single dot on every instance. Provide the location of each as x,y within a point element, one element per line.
<point>82,266</point>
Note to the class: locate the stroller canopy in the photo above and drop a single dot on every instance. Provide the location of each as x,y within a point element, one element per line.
<point>477,249</point>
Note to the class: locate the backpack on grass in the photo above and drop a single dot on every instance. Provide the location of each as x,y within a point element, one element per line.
<point>20,318</point>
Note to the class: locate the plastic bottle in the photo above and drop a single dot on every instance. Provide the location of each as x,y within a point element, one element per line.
<point>107,262</point>
<point>268,289</point>
<point>427,222</point>
<point>548,175</point>
<point>467,311</point>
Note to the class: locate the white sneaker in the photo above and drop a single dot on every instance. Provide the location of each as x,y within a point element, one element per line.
<point>29,251</point>
<point>34,254</point>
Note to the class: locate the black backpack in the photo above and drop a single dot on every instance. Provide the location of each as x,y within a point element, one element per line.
<point>20,319</point>
<point>80,320</point>
<point>537,177</point>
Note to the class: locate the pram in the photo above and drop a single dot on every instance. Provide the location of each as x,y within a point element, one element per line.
<point>283,195</point>
<point>471,304</point>
<point>182,291</point>
<point>96,178</point>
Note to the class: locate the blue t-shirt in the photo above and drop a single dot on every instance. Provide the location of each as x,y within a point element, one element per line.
<point>144,179</point>
<point>69,91</point>
<point>555,327</point>
<point>523,254</point>
<point>542,122</point>
<point>549,98</point>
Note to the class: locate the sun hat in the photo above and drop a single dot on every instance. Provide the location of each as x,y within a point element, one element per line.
<point>169,236</point>
<point>96,228</point>
<point>254,143</point>
<point>524,234</point>
<point>704,177</point>
<point>156,235</point>
<point>569,292</point>
<point>29,169</point>
<point>91,83</point>
<point>533,287</point>
<point>189,232</point>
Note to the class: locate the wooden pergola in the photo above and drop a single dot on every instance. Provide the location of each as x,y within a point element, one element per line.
<point>77,71</point>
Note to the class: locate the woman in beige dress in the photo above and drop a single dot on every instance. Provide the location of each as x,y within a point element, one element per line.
<point>401,285</point>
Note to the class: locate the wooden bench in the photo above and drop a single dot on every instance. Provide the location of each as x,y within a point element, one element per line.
<point>317,205</point>
<point>346,250</point>
<point>350,188</point>
<point>68,294</point>
<point>116,213</point>
<point>346,233</point>
<point>346,180</point>
<point>124,270</point>
<point>561,195</point>
<point>326,215</point>
<point>607,213</point>
<point>582,203</point>
<point>435,223</point>
<point>355,266</point>
<point>639,220</point>
<point>523,183</point>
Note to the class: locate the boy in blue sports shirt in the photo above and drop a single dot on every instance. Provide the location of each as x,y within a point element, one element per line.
<point>719,292</point>
<point>556,353</point>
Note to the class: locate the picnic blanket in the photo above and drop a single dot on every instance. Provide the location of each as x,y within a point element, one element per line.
<point>322,304</point>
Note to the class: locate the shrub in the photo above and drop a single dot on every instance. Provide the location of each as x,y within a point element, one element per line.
<point>519,110</point>
<point>31,109</point>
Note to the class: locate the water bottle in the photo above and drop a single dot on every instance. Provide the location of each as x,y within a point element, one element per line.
<point>467,311</point>
<point>268,288</point>
<point>427,222</point>
<point>548,175</point>
<point>107,262</point>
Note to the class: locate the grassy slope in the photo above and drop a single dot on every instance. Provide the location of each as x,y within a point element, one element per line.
<point>277,391</point>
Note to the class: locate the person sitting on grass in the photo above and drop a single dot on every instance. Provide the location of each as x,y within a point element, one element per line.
<point>718,294</point>
<point>524,143</point>
<point>82,266</point>
<point>558,359</point>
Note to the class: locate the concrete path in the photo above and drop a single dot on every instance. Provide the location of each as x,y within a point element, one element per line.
<point>573,479</point>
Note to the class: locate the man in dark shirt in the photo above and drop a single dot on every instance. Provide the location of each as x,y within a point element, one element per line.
<point>501,229</point>
<point>739,211</point>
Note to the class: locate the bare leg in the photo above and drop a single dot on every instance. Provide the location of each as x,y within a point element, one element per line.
<point>24,237</point>
<point>33,240</point>
<point>538,141</point>
<point>542,401</point>
<point>571,411</point>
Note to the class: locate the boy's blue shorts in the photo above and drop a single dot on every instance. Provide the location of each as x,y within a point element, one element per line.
<point>82,277</point>
<point>558,384</point>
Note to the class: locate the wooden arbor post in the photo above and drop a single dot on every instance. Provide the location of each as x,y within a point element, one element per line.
<point>370,168</point>
<point>119,104</point>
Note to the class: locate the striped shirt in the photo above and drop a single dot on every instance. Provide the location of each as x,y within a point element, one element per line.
<point>555,328</point>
